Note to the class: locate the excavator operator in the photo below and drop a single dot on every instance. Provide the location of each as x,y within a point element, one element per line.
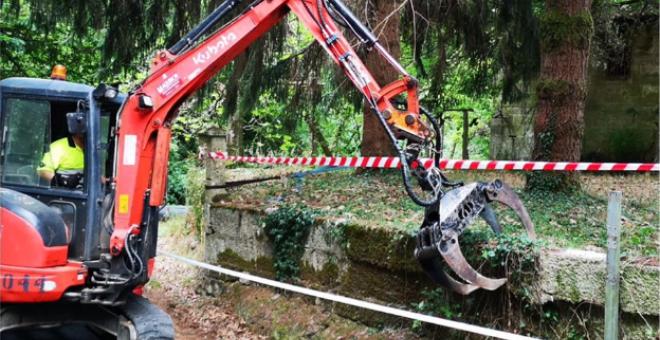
<point>64,163</point>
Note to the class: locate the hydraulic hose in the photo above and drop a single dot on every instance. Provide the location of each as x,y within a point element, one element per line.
<point>320,10</point>
<point>405,170</point>
<point>438,137</point>
<point>438,142</point>
<point>204,26</point>
<point>359,29</point>
<point>341,22</point>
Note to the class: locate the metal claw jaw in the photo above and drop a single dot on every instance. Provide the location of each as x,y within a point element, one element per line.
<point>444,223</point>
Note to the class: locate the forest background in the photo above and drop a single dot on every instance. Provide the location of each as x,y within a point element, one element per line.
<point>283,96</point>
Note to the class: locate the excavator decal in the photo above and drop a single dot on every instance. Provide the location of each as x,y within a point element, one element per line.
<point>213,50</point>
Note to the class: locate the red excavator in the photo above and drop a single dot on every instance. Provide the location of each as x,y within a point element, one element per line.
<point>79,247</point>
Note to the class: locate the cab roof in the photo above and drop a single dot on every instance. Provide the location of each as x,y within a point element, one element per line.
<point>52,89</point>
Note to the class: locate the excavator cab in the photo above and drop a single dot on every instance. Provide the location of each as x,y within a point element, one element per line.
<point>36,113</point>
<point>53,234</point>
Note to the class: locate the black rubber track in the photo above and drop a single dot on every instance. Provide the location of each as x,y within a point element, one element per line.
<point>151,323</point>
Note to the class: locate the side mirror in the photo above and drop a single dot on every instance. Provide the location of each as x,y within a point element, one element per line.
<point>77,122</point>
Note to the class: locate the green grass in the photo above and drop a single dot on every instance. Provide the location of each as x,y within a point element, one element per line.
<point>377,198</point>
<point>171,226</point>
<point>580,219</point>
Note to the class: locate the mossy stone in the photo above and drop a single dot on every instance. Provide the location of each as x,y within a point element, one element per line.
<point>381,247</point>
<point>261,266</point>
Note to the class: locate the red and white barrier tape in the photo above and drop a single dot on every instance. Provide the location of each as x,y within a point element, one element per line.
<point>393,162</point>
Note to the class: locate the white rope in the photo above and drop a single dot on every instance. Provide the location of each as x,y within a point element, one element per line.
<point>353,302</point>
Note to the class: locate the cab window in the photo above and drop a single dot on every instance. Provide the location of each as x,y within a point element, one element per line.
<point>38,150</point>
<point>26,136</point>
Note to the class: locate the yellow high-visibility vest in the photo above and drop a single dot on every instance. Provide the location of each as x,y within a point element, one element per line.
<point>63,157</point>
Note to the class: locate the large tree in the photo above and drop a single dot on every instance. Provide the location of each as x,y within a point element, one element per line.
<point>491,35</point>
<point>566,32</point>
<point>383,17</point>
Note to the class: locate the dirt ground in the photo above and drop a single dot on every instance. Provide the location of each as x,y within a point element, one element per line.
<point>243,311</point>
<point>195,317</point>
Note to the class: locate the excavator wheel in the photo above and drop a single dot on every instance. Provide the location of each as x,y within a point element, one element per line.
<point>142,320</point>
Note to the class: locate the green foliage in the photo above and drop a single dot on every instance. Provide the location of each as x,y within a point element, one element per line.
<point>519,247</point>
<point>337,234</point>
<point>511,250</point>
<point>288,228</point>
<point>464,54</point>
<point>499,41</point>
<point>292,98</point>
<point>125,31</point>
<point>627,144</point>
<point>27,50</point>
<point>542,181</point>
<point>436,304</point>
<point>177,172</point>
<point>617,24</point>
<point>195,196</point>
<point>559,28</point>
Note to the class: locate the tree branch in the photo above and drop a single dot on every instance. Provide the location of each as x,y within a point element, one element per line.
<point>14,62</point>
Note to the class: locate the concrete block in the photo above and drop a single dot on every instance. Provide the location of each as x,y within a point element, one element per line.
<point>578,276</point>
<point>377,264</point>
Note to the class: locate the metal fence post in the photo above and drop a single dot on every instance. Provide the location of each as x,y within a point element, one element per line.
<point>466,128</point>
<point>613,255</point>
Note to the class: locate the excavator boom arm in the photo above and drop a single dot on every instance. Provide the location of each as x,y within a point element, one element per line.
<point>146,119</point>
<point>177,73</point>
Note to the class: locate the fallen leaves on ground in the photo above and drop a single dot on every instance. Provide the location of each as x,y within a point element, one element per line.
<point>196,317</point>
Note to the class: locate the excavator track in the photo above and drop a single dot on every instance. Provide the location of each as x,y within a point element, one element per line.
<point>142,320</point>
<point>137,319</point>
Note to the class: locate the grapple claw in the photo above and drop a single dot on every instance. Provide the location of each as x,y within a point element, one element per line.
<point>450,250</point>
<point>489,216</point>
<point>444,223</point>
<point>433,268</point>
<point>501,192</point>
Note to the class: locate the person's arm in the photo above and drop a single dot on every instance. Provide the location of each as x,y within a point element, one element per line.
<point>46,169</point>
<point>46,174</point>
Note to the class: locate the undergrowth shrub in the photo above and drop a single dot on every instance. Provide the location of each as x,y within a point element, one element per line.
<point>177,170</point>
<point>514,257</point>
<point>288,228</point>
<point>541,181</point>
<point>194,197</point>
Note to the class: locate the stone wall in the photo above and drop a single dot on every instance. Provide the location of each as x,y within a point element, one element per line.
<point>512,132</point>
<point>621,112</point>
<point>376,264</point>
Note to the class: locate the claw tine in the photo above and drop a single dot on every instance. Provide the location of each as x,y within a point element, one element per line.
<point>451,251</point>
<point>489,215</point>
<point>433,268</point>
<point>507,196</point>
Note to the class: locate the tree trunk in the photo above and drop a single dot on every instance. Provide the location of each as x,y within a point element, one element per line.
<point>317,136</point>
<point>439,69</point>
<point>375,141</point>
<point>234,114</point>
<point>566,31</point>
